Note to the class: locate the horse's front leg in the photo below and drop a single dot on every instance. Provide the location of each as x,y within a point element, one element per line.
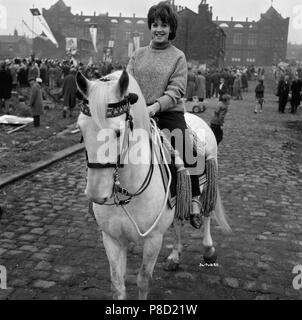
<point>117,256</point>
<point>210,255</point>
<point>172,262</point>
<point>151,251</point>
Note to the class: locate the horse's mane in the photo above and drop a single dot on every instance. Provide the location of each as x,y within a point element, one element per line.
<point>102,92</point>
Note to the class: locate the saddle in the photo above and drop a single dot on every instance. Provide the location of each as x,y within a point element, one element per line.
<point>199,148</point>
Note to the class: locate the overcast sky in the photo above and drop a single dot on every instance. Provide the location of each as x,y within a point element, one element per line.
<point>224,9</point>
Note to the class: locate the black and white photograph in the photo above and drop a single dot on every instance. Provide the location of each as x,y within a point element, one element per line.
<point>151,150</point>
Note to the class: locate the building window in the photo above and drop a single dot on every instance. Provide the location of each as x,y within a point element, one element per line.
<point>252,39</point>
<point>140,22</point>
<point>237,38</point>
<point>236,59</point>
<point>250,60</point>
<point>141,35</point>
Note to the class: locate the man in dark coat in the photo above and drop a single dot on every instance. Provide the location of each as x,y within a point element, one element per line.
<point>222,89</point>
<point>282,93</point>
<point>296,89</point>
<point>36,100</point>
<point>6,85</point>
<point>69,93</point>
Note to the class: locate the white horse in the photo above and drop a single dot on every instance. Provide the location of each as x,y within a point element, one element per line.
<point>215,210</point>
<point>126,188</point>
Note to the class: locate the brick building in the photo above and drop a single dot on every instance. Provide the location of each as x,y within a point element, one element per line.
<point>259,43</point>
<point>201,39</point>
<point>113,33</point>
<point>15,46</point>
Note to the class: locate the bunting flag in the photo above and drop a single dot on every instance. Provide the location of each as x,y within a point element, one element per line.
<point>3,17</point>
<point>136,42</point>
<point>42,35</point>
<point>44,25</point>
<point>93,32</point>
<point>72,45</point>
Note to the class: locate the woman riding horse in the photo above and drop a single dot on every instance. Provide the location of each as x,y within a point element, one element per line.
<point>161,72</point>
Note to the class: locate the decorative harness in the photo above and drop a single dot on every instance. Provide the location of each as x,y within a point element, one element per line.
<point>115,110</point>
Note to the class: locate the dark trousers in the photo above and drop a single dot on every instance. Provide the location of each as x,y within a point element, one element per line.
<point>282,103</point>
<point>218,132</point>
<point>176,120</point>
<point>36,121</point>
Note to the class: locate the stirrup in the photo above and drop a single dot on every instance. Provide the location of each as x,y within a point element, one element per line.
<point>196,218</point>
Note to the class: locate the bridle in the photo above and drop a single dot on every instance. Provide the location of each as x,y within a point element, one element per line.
<point>115,110</point>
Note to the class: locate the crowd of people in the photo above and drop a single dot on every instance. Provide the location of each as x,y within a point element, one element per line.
<point>38,74</point>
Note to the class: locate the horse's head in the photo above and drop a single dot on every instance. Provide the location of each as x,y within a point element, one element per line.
<point>112,107</point>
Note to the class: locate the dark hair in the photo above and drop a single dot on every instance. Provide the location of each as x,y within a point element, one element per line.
<point>165,12</point>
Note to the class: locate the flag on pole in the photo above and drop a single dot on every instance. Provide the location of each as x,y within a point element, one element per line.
<point>35,12</point>
<point>44,25</point>
<point>93,32</point>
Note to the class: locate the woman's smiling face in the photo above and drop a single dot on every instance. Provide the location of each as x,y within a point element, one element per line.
<point>160,32</point>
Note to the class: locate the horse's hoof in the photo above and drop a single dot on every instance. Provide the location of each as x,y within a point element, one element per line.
<point>171,265</point>
<point>210,256</point>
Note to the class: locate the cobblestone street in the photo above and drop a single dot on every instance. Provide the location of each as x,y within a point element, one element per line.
<point>51,245</point>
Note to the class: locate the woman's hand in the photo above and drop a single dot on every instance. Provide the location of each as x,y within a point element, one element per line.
<point>153,109</point>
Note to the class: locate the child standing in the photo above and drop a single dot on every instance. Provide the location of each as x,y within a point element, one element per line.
<point>259,96</point>
<point>219,116</point>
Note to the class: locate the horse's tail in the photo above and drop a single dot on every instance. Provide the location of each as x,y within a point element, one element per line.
<point>210,198</point>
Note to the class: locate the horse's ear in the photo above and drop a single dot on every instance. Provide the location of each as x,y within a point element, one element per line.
<point>123,82</point>
<point>82,83</point>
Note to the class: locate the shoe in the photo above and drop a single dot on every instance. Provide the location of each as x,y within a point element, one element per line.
<point>195,217</point>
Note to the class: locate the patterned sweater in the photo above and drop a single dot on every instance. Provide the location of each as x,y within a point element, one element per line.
<point>161,75</point>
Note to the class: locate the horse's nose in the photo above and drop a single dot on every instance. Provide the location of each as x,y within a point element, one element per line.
<point>95,199</point>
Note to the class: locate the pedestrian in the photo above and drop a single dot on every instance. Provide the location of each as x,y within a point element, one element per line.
<point>282,93</point>
<point>219,117</point>
<point>237,88</point>
<point>200,89</point>
<point>161,72</point>
<point>222,89</point>
<point>69,92</point>
<point>36,100</point>
<point>6,85</point>
<point>296,91</point>
<point>259,91</point>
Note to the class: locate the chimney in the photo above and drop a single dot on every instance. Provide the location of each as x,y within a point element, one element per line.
<point>120,15</point>
<point>81,13</point>
<point>217,18</point>
<point>94,13</point>
<point>133,15</point>
<point>232,18</point>
<point>247,19</point>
